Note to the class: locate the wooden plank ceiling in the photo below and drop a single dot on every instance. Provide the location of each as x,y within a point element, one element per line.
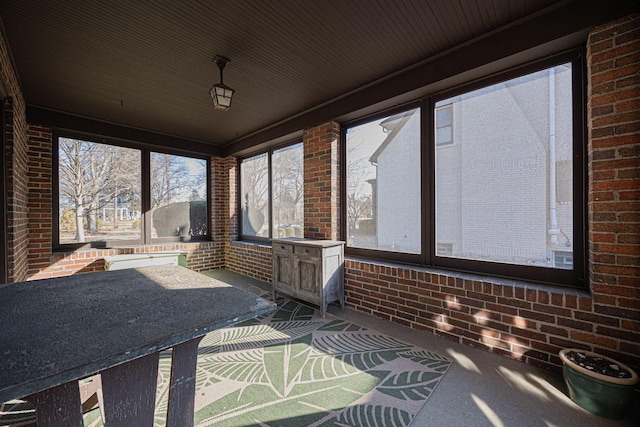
<point>149,65</point>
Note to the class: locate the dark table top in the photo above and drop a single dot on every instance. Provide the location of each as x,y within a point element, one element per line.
<point>53,331</point>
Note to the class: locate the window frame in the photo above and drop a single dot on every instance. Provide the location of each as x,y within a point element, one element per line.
<point>269,152</point>
<point>402,257</point>
<point>576,277</point>
<point>145,194</point>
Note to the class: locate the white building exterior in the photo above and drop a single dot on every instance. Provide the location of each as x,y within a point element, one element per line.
<point>498,195</point>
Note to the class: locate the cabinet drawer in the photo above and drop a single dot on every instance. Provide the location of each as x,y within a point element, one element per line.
<point>282,248</point>
<point>306,250</point>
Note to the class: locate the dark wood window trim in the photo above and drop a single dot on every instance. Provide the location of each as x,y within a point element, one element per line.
<point>371,253</point>
<point>269,153</point>
<point>145,239</point>
<point>577,277</point>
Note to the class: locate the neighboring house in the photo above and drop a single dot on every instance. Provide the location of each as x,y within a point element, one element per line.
<point>493,175</point>
<point>396,188</point>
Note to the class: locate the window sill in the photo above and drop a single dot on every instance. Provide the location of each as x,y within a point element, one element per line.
<point>130,249</point>
<point>251,243</point>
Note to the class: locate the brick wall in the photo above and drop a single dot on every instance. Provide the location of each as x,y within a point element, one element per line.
<point>613,60</point>
<point>321,181</point>
<point>223,228</point>
<point>39,199</point>
<point>15,169</point>
<point>250,259</point>
<point>523,321</point>
<point>201,256</point>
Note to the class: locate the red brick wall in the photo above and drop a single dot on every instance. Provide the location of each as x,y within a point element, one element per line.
<point>40,199</point>
<point>613,60</point>
<point>321,181</point>
<point>527,322</point>
<point>15,169</point>
<point>223,223</point>
<point>250,259</point>
<point>200,257</point>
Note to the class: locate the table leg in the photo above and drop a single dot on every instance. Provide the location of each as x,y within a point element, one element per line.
<point>182,387</point>
<point>129,392</point>
<point>58,406</point>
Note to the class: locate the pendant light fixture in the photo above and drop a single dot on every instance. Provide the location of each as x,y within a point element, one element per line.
<point>220,93</point>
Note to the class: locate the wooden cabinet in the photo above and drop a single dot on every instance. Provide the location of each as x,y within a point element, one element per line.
<point>311,270</point>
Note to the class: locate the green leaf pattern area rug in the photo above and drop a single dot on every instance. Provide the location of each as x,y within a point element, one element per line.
<point>294,368</point>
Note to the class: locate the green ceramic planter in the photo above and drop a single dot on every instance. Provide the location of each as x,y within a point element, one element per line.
<point>597,393</point>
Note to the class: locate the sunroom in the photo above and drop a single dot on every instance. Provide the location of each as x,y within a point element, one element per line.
<point>474,166</point>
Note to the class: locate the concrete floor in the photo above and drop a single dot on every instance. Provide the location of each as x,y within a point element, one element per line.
<point>480,388</point>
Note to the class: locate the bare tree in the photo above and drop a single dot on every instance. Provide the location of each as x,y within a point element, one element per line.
<point>169,175</point>
<point>359,200</point>
<point>87,175</point>
<point>288,184</point>
<point>255,185</point>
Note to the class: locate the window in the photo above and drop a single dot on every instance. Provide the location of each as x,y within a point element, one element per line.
<point>100,195</point>
<point>254,181</point>
<point>288,192</point>
<point>178,196</point>
<point>444,125</point>
<point>562,259</point>
<point>383,183</point>
<point>99,192</point>
<point>496,195</point>
<point>271,194</point>
<point>503,195</point>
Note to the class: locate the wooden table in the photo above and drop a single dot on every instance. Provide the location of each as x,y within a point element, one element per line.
<point>54,332</point>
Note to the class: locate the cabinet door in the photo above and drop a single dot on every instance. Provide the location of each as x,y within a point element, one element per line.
<point>284,272</point>
<point>309,280</point>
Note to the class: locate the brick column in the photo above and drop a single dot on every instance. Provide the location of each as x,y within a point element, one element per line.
<point>613,68</point>
<point>322,181</point>
<point>224,226</point>
<point>40,214</point>
<point>16,169</point>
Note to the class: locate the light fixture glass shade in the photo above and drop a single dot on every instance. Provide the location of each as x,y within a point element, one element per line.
<point>221,95</point>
